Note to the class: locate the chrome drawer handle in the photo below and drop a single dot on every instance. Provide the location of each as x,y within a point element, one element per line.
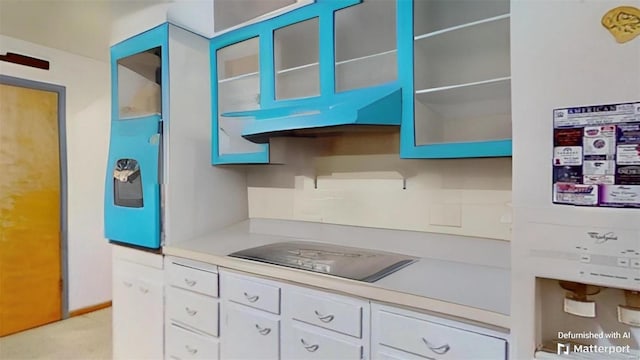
<point>250,298</point>
<point>191,350</point>
<point>440,350</point>
<point>190,312</point>
<point>144,290</point>
<point>309,348</point>
<point>263,331</point>
<point>127,284</point>
<point>190,282</point>
<point>324,318</point>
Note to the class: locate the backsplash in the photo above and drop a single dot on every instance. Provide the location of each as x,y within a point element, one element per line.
<point>359,180</point>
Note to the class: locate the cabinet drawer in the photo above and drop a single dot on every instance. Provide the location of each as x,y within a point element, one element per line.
<point>251,292</point>
<point>329,313</point>
<point>308,344</point>
<point>195,310</point>
<point>184,344</point>
<point>437,341</point>
<point>249,333</point>
<point>190,278</point>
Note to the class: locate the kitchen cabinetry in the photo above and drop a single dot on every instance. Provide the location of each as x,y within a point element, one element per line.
<point>398,333</point>
<point>459,99</point>
<point>320,325</point>
<point>139,78</point>
<point>250,317</point>
<point>263,319</point>
<point>137,304</point>
<point>237,87</point>
<point>191,310</point>
<point>323,65</point>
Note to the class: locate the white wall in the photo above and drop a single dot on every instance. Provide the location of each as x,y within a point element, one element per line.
<point>87,129</point>
<point>360,180</point>
<point>561,56</point>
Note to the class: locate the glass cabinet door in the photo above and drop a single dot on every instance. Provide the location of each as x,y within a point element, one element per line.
<point>365,45</point>
<point>238,69</point>
<point>296,55</point>
<point>462,73</point>
<point>140,84</point>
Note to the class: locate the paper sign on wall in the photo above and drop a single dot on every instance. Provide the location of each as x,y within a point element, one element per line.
<point>596,155</point>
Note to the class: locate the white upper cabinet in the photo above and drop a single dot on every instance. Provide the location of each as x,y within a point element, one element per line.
<point>212,17</point>
<point>230,14</point>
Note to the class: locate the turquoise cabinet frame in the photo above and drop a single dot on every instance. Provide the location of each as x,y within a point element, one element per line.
<point>152,38</point>
<point>137,138</point>
<point>323,10</point>
<point>408,147</point>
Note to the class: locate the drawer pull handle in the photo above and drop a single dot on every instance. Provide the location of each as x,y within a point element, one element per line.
<point>440,350</point>
<point>143,290</point>
<point>191,350</point>
<point>250,298</point>
<point>189,282</point>
<point>190,312</point>
<point>324,318</point>
<point>127,284</point>
<point>309,348</point>
<point>263,331</point>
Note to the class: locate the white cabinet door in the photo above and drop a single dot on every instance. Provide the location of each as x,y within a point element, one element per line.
<point>432,337</point>
<point>249,334</point>
<point>309,342</point>
<point>137,311</point>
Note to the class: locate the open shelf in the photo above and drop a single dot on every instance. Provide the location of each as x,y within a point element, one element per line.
<point>238,59</point>
<point>365,29</point>
<point>464,113</point>
<point>302,81</point>
<point>137,94</point>
<point>365,45</point>
<point>434,16</point>
<point>296,56</point>
<point>367,71</point>
<point>467,54</point>
<point>241,93</point>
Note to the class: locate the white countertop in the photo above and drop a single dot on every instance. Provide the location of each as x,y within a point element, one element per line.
<point>474,292</point>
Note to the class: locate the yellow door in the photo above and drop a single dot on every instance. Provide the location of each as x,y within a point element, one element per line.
<point>30,271</point>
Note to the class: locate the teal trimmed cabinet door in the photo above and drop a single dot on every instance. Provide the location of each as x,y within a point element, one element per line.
<point>139,98</point>
<point>322,65</point>
<point>455,57</point>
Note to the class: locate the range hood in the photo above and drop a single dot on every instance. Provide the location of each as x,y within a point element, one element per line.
<point>376,106</point>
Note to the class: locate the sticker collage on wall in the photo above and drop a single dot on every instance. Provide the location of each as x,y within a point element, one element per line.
<point>596,155</point>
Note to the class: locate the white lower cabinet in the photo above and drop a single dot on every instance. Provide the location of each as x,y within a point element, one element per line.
<point>308,342</point>
<point>182,343</point>
<point>137,304</point>
<point>250,327</point>
<point>396,332</point>
<point>266,319</point>
<point>192,310</point>
<point>249,333</point>
<point>322,325</point>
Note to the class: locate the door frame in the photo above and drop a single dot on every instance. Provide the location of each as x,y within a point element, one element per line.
<point>62,150</point>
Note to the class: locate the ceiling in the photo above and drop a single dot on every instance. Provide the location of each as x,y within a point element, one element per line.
<point>82,27</point>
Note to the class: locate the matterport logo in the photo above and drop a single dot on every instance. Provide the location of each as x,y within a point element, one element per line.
<point>568,348</point>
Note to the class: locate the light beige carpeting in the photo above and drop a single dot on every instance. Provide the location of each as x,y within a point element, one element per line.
<point>78,338</point>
